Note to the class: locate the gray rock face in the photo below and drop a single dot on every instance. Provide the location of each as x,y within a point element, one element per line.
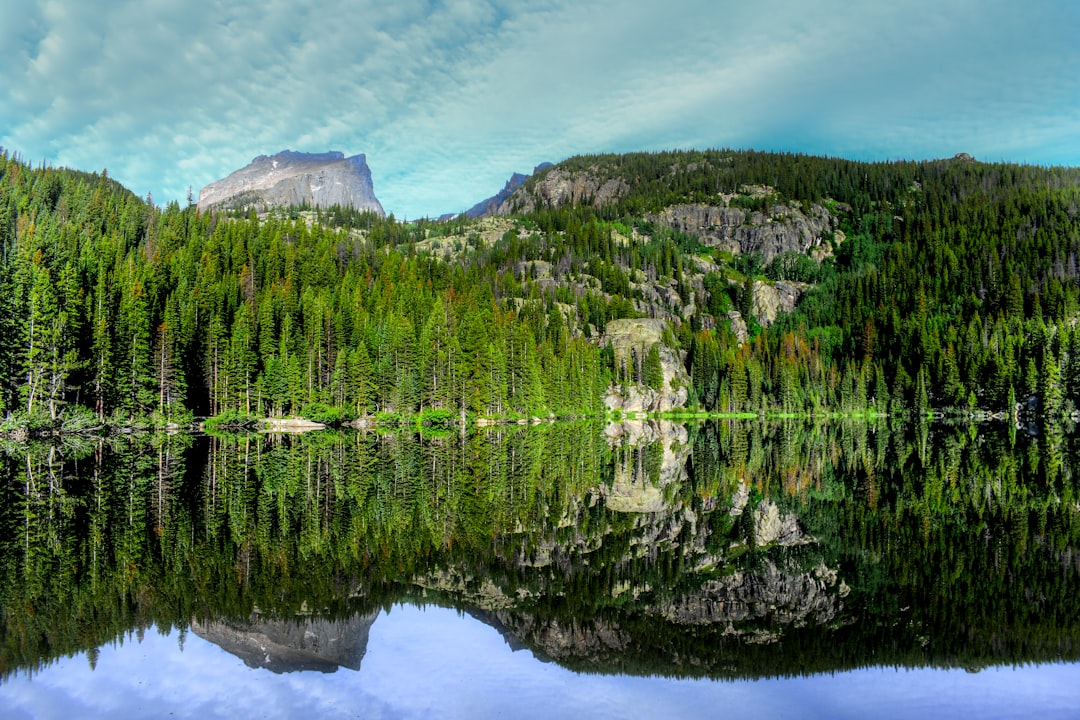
<point>784,229</point>
<point>560,187</point>
<point>296,178</point>
<point>283,646</point>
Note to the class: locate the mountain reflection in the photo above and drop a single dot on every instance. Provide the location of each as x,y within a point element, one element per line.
<point>293,644</point>
<point>733,549</point>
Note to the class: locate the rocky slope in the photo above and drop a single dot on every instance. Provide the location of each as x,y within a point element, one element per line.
<point>772,229</point>
<point>295,178</point>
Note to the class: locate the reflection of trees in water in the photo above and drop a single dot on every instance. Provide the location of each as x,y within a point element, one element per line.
<point>657,548</point>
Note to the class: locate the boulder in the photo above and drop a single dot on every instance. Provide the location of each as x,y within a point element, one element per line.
<point>771,299</point>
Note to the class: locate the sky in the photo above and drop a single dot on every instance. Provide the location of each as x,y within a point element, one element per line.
<point>447,99</point>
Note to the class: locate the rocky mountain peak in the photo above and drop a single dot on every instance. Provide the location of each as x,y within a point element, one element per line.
<point>490,206</point>
<point>295,178</point>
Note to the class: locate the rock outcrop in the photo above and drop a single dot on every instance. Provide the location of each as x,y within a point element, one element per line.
<point>631,339</point>
<point>785,228</point>
<point>295,178</point>
<point>772,298</point>
<point>561,187</point>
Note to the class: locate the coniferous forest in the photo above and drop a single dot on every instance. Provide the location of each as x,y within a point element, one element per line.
<point>948,286</point>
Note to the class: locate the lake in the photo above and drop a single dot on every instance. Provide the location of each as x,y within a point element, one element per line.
<point>739,569</point>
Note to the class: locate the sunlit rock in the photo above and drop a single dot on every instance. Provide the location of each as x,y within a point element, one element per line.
<point>631,340</point>
<point>295,178</point>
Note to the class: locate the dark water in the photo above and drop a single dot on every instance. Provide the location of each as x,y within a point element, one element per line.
<point>735,569</point>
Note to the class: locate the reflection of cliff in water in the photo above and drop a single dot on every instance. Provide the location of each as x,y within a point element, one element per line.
<point>660,577</point>
<point>727,549</point>
<point>292,644</point>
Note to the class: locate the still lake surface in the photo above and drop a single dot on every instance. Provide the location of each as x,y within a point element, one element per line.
<point>734,569</point>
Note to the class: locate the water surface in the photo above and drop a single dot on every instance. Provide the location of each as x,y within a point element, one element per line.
<point>646,571</point>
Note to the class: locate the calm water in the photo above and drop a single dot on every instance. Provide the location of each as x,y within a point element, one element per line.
<point>736,569</point>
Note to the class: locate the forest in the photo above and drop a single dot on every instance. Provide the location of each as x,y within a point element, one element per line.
<point>954,290</point>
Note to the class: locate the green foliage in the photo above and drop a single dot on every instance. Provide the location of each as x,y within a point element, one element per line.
<point>245,316</point>
<point>325,414</point>
<point>230,419</point>
<point>437,416</point>
<point>654,371</point>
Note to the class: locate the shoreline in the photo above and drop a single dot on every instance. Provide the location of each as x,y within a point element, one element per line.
<point>441,420</point>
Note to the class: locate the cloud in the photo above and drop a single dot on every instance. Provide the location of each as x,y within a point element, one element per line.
<point>448,98</point>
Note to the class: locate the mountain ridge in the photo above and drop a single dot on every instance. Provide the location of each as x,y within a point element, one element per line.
<point>490,206</point>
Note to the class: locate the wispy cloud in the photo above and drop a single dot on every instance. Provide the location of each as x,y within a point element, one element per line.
<point>448,98</point>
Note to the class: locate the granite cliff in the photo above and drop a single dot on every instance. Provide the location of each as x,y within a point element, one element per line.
<point>295,178</point>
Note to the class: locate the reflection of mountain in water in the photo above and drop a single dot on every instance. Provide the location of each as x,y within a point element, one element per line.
<point>291,645</point>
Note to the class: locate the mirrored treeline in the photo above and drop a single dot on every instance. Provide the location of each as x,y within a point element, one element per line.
<point>731,549</point>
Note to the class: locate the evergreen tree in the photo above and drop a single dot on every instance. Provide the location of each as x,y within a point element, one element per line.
<point>654,370</point>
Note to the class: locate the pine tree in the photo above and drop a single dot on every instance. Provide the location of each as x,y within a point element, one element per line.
<point>137,380</point>
<point>654,369</point>
<point>922,397</point>
<point>1050,388</point>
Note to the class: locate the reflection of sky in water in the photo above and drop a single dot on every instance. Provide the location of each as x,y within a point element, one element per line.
<point>433,662</point>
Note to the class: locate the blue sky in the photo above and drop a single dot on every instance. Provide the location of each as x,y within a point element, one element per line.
<point>447,99</point>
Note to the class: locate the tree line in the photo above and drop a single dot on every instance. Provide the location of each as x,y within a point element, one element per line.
<point>951,286</point>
